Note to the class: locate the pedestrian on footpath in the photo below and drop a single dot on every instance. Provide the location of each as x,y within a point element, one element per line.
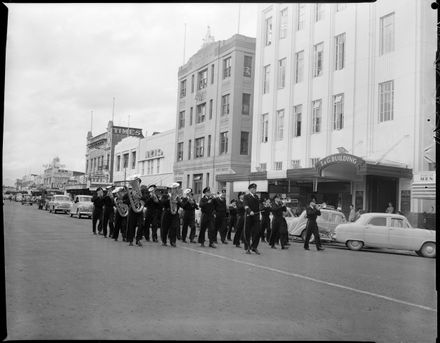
<point>312,212</point>
<point>221,210</point>
<point>189,207</point>
<point>252,206</point>
<point>151,217</point>
<point>265,221</point>
<point>170,215</point>
<point>207,218</point>
<point>279,224</point>
<point>232,219</point>
<point>122,204</point>
<point>98,209</point>
<point>108,216</point>
<point>238,237</point>
<point>390,208</point>
<point>135,219</point>
<point>352,215</point>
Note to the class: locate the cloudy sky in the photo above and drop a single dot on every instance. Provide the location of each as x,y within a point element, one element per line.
<point>65,60</point>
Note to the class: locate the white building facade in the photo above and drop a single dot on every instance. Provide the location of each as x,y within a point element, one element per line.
<point>344,104</point>
<point>125,159</point>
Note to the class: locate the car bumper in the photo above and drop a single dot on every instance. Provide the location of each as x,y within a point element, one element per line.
<point>85,213</point>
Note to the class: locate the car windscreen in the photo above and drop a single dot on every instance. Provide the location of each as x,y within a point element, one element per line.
<point>61,198</point>
<point>84,199</point>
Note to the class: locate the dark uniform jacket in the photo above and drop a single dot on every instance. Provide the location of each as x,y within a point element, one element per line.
<point>98,203</point>
<point>151,205</point>
<point>253,202</point>
<point>312,213</point>
<point>240,208</point>
<point>206,208</point>
<point>220,207</point>
<point>265,212</point>
<point>165,203</point>
<point>108,204</point>
<point>277,210</point>
<point>189,207</point>
<point>232,211</point>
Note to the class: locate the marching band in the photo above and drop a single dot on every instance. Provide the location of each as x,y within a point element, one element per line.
<point>126,208</point>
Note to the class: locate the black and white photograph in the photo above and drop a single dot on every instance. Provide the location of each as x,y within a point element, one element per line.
<point>220,171</point>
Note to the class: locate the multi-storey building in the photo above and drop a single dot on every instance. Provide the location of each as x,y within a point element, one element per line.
<point>126,155</point>
<point>344,104</point>
<point>214,114</point>
<point>56,177</point>
<point>100,153</point>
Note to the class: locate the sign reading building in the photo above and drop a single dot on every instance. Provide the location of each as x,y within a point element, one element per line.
<point>339,158</point>
<point>124,131</point>
<point>154,153</point>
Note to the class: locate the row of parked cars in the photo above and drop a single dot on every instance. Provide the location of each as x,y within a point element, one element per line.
<point>81,206</point>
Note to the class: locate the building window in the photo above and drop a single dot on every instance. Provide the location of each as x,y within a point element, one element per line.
<point>299,66</point>
<point>125,161</point>
<point>189,149</point>
<point>199,146</point>
<point>150,167</point>
<point>313,161</point>
<point>245,103</point>
<point>386,101</point>
<point>181,119</point>
<point>190,116</point>
<point>201,113</point>
<point>197,183</point>
<point>319,12</point>
<point>210,109</point>
<point>316,116</point>
<point>339,51</point>
<point>226,67</point>
<point>225,104</point>
<point>297,113</point>
<point>279,133</point>
<point>143,168</point>
<point>278,165</point>
<point>202,79</point>
<point>300,18</point>
<point>118,163</point>
<point>318,58</point>
<point>281,73</point>
<point>207,179</point>
<point>187,181</point>
<point>192,83</point>
<point>244,143</point>
<point>266,79</point>
<point>263,166</point>
<point>268,31</point>
<point>158,166</point>
<point>180,151</point>
<point>247,67</point>
<point>340,7</point>
<point>386,34</point>
<point>338,112</point>
<point>264,128</point>
<point>283,23</point>
<point>183,88</point>
<point>223,142</point>
<point>133,159</point>
<point>209,146</point>
<point>212,74</point>
<point>294,164</point>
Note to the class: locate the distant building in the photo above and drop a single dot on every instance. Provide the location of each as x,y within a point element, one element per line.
<point>56,177</point>
<point>100,153</point>
<point>214,114</point>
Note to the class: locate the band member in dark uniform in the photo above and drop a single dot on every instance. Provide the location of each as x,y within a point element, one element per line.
<point>312,212</point>
<point>232,219</point>
<point>121,220</point>
<point>152,216</point>
<point>189,206</point>
<point>265,221</point>
<point>98,209</point>
<point>207,220</point>
<point>135,219</point>
<point>252,207</point>
<point>170,215</point>
<point>239,225</point>
<point>279,224</point>
<point>109,211</point>
<point>220,209</point>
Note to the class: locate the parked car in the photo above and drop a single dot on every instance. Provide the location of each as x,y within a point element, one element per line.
<point>26,200</point>
<point>386,230</point>
<point>82,206</point>
<point>47,201</point>
<point>60,203</point>
<point>327,222</point>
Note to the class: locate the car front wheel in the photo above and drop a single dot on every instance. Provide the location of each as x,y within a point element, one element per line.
<point>428,250</point>
<point>355,245</point>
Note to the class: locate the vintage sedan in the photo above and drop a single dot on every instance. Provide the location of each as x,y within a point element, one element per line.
<point>327,222</point>
<point>26,200</point>
<point>60,203</point>
<point>82,206</point>
<point>386,230</point>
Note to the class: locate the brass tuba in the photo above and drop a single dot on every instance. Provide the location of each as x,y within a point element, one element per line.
<point>135,195</point>
<point>121,207</point>
<point>176,193</point>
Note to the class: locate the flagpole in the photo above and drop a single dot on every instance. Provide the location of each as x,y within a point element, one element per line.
<point>184,44</point>
<point>113,112</point>
<point>238,26</point>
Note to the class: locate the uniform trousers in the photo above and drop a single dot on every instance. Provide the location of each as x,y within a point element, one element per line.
<point>265,226</point>
<point>189,221</point>
<point>220,226</point>
<point>108,218</point>
<point>120,225</point>
<point>97,215</point>
<point>252,232</point>
<point>232,220</point>
<point>279,231</point>
<point>239,230</point>
<point>151,219</point>
<point>207,222</point>
<point>312,228</point>
<point>169,225</point>
<point>135,220</point>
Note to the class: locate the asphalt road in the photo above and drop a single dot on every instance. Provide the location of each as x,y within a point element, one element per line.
<point>62,282</point>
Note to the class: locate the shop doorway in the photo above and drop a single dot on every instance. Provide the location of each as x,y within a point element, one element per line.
<point>380,191</point>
